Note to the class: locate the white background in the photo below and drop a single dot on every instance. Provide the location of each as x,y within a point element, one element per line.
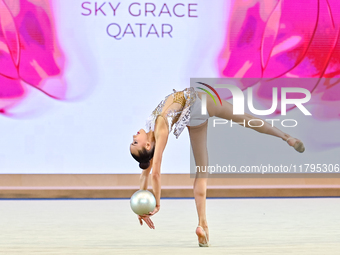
<point>124,80</point>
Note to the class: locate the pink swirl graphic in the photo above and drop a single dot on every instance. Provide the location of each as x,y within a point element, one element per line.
<point>269,39</point>
<point>29,52</point>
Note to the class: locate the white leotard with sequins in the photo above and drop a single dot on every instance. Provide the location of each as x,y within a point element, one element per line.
<point>180,118</point>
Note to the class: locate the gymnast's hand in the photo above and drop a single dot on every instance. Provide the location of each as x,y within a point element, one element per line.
<point>155,211</point>
<point>146,218</point>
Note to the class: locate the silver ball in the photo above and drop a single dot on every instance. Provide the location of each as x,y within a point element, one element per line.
<point>142,202</point>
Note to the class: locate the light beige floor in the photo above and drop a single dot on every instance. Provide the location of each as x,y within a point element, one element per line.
<point>237,226</point>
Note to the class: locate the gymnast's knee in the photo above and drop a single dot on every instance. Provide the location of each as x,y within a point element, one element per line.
<point>199,191</point>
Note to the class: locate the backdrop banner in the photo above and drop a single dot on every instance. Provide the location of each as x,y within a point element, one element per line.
<point>79,78</point>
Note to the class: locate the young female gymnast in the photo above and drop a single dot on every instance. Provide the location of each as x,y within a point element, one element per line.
<point>179,110</point>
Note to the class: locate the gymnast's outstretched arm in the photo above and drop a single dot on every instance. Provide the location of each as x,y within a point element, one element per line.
<point>144,177</point>
<point>143,181</point>
<point>161,138</point>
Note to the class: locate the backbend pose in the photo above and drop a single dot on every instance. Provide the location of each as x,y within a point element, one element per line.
<point>179,110</point>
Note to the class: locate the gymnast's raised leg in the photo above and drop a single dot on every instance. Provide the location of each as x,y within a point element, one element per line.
<point>225,111</point>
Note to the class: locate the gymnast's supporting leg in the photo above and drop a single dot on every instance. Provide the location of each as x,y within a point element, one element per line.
<point>198,139</point>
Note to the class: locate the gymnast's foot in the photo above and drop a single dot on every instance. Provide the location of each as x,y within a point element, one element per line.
<point>296,143</point>
<point>203,236</point>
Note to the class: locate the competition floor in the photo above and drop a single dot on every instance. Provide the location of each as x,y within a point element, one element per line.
<point>237,226</point>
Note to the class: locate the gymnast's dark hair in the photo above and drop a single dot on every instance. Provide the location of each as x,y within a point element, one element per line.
<point>144,156</point>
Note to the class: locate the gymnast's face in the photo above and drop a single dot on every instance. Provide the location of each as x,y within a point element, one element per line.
<point>139,141</point>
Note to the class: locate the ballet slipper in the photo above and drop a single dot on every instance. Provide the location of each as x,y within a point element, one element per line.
<point>206,244</point>
<point>298,145</point>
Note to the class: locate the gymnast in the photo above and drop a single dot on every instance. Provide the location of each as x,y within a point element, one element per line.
<point>179,110</point>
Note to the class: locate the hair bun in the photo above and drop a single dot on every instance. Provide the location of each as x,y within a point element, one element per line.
<point>144,165</point>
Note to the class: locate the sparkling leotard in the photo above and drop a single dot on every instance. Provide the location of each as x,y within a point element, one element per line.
<point>177,119</point>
